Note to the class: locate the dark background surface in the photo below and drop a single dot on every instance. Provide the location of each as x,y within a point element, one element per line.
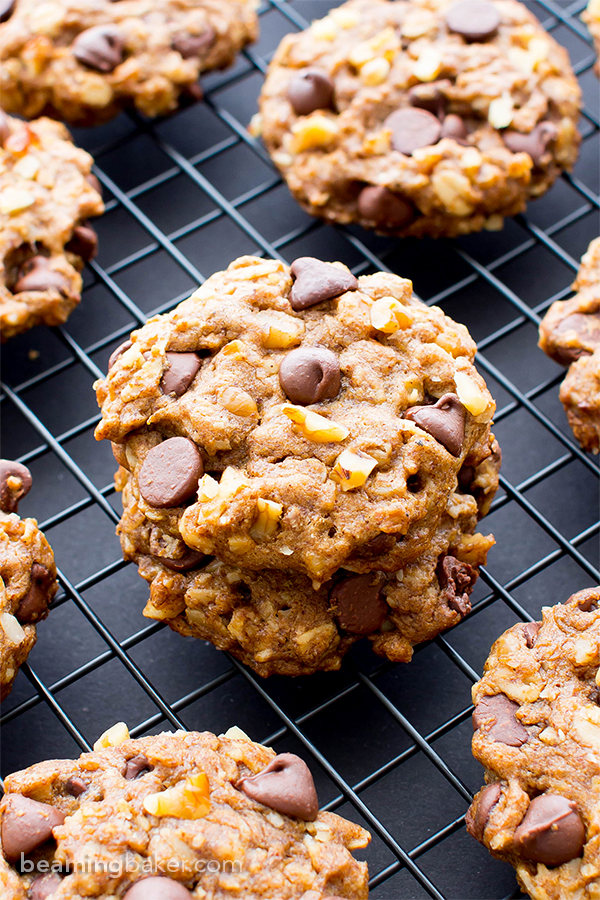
<point>389,745</point>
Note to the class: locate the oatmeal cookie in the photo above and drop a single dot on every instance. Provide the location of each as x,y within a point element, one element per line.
<point>537,732</point>
<point>299,448</point>
<point>84,61</point>
<point>27,575</point>
<point>591,17</point>
<point>47,192</point>
<point>175,816</point>
<point>570,334</point>
<point>426,117</point>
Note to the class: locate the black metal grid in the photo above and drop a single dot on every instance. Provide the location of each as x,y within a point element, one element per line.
<point>389,745</point>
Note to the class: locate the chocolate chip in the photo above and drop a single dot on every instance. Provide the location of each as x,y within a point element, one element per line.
<point>486,800</point>
<point>189,560</point>
<point>310,374</point>
<point>285,785</point>
<point>136,766</point>
<point>157,887</point>
<point>310,90</point>
<point>496,715</point>
<point>84,242</point>
<point>35,602</point>
<point>181,371</point>
<point>316,281</point>
<point>193,44</point>
<point>534,143</point>
<point>26,824</point>
<point>430,96</point>
<point>384,208</point>
<point>586,327</point>
<point>457,580</point>
<point>75,786</point>
<point>465,477</point>
<point>36,275</point>
<point>4,127</point>
<point>7,7</point>
<point>43,886</point>
<point>99,47</point>
<point>474,20</point>
<point>454,127</point>
<point>444,421</point>
<point>587,600</point>
<point>117,353</point>
<point>551,832</point>
<point>357,604</point>
<point>530,632</point>
<point>169,474</point>
<point>93,182</point>
<point>15,483</point>
<point>413,128</point>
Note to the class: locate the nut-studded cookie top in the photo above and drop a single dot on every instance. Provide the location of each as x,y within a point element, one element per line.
<point>47,193</point>
<point>83,61</point>
<point>285,418</point>
<point>195,814</point>
<point>433,117</point>
<point>537,732</point>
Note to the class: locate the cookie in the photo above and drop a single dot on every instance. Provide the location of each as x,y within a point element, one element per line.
<point>176,816</point>
<point>300,450</point>
<point>591,17</point>
<point>570,334</point>
<point>47,193</point>
<point>27,575</point>
<point>428,117</point>
<point>537,732</point>
<point>83,62</point>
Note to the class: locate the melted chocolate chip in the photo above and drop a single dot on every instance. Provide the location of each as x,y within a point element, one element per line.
<point>316,281</point>
<point>4,126</point>
<point>465,477</point>
<point>190,45</point>
<point>169,474</point>
<point>157,887</point>
<point>357,604</point>
<point>457,580</point>
<point>552,831</point>
<point>454,127</point>
<point>430,96</point>
<point>384,208</point>
<point>118,352</point>
<point>496,716</point>
<point>413,128</point>
<point>43,886</point>
<point>7,7</point>
<point>586,327</point>
<point>75,786</point>
<point>588,600</point>
<point>84,242</point>
<point>36,275</point>
<point>15,483</point>
<point>474,20</point>
<point>285,785</point>
<point>26,824</point>
<point>486,800</point>
<point>530,633</point>
<point>35,602</point>
<point>190,560</point>
<point>99,47</point>
<point>310,90</point>
<point>444,421</point>
<point>136,766</point>
<point>181,370</point>
<point>534,143</point>
<point>310,374</point>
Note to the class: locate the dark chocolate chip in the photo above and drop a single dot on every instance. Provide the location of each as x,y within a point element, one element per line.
<point>36,275</point>
<point>413,128</point>
<point>189,560</point>
<point>193,44</point>
<point>454,127</point>
<point>26,824</point>
<point>15,483</point>
<point>530,632</point>
<point>285,785</point>
<point>84,242</point>
<point>310,374</point>
<point>465,477</point>
<point>35,602</point>
<point>157,887</point>
<point>180,372</point>
<point>75,786</point>
<point>136,766</point>
<point>444,421</point>
<point>551,832</point>
<point>7,7</point>
<point>169,474</point>
<point>93,182</point>
<point>118,352</point>
<point>430,96</point>
<point>588,600</point>
<point>99,47</point>
<point>474,20</point>
<point>457,580</point>
<point>357,604</point>
<point>384,208</point>
<point>315,281</point>
<point>496,715</point>
<point>43,886</point>
<point>310,90</point>
<point>534,143</point>
<point>587,328</point>
<point>4,127</point>
<point>486,800</point>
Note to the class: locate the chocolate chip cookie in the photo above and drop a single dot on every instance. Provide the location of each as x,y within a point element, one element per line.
<point>27,575</point>
<point>429,117</point>
<point>175,816</point>
<point>83,62</point>
<point>304,458</point>
<point>47,193</point>
<point>537,732</point>
<point>570,334</point>
<point>591,17</point>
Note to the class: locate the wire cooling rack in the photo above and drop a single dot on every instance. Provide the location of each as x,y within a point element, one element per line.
<point>389,744</point>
